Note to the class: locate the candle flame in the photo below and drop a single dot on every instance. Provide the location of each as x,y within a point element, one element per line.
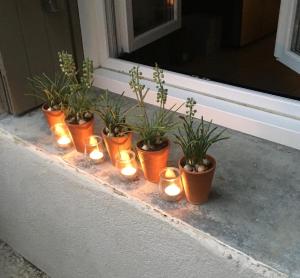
<point>93,141</point>
<point>170,174</point>
<point>124,156</point>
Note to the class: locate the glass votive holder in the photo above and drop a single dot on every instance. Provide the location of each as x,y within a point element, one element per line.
<point>93,149</point>
<point>170,186</point>
<point>62,136</point>
<point>127,165</point>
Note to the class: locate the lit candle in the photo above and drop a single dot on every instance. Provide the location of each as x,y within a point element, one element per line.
<point>172,190</point>
<point>170,187</point>
<point>63,141</point>
<point>96,155</point>
<point>125,161</point>
<point>94,149</point>
<point>128,171</point>
<point>62,135</point>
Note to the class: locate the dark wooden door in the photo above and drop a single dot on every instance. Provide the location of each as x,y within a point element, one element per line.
<point>31,34</point>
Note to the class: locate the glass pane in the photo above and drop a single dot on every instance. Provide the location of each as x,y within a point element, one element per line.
<point>295,46</point>
<point>148,14</point>
<point>226,41</point>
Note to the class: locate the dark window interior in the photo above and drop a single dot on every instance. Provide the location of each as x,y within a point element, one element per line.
<point>228,41</point>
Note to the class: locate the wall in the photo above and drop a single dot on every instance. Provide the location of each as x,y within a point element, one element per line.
<point>70,226</point>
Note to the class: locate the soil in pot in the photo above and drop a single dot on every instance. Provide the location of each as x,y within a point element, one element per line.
<point>80,133</point>
<point>153,161</point>
<point>116,144</point>
<point>197,185</point>
<point>53,117</point>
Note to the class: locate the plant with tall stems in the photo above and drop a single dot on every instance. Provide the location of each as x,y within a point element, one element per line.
<point>195,139</point>
<point>80,105</point>
<point>153,128</point>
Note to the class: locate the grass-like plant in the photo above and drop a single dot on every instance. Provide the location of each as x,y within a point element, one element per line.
<point>80,105</point>
<point>195,139</point>
<point>54,92</point>
<point>113,113</point>
<point>153,128</point>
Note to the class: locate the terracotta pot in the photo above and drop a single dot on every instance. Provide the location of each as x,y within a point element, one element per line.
<point>116,144</point>
<point>153,162</point>
<point>80,133</point>
<point>196,185</point>
<point>53,117</point>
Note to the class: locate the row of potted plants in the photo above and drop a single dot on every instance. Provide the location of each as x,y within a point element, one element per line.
<point>67,100</point>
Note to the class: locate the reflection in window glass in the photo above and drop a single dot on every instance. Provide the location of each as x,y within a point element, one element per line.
<point>226,41</point>
<point>148,14</point>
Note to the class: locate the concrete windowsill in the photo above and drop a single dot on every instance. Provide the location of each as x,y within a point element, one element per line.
<point>253,208</point>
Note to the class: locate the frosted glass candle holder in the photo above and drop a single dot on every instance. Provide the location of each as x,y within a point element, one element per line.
<point>126,163</point>
<point>62,136</point>
<point>170,186</point>
<point>93,149</point>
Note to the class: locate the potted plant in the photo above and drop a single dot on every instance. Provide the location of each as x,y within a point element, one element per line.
<point>79,112</point>
<point>153,146</point>
<point>196,166</point>
<point>54,93</point>
<point>116,134</point>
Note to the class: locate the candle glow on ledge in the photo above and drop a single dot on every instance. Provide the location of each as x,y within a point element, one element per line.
<point>170,187</point>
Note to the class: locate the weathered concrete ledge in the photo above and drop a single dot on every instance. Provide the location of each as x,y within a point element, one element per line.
<point>73,221</point>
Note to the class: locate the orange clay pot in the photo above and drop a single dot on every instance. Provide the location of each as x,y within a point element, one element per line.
<point>116,144</point>
<point>153,162</point>
<point>53,117</point>
<point>80,133</point>
<point>196,185</point>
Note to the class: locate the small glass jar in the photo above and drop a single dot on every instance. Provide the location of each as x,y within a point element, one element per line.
<point>170,186</point>
<point>62,136</point>
<point>127,165</point>
<point>93,149</point>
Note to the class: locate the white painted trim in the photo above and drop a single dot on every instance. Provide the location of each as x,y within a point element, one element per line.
<point>125,29</point>
<point>255,122</point>
<point>270,117</point>
<point>286,21</point>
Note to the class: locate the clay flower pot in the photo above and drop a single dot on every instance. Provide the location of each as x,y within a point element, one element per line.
<point>53,117</point>
<point>153,162</point>
<point>80,133</point>
<point>116,144</point>
<point>197,185</point>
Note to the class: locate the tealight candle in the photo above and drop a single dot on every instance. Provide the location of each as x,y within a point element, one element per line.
<point>170,187</point>
<point>94,149</point>
<point>126,163</point>
<point>62,135</point>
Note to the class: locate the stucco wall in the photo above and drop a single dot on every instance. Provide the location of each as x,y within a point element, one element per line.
<point>70,226</point>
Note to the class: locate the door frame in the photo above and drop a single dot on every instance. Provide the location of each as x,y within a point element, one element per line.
<point>284,36</point>
<point>263,115</point>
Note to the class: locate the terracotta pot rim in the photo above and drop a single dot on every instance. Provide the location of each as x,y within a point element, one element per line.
<point>126,135</point>
<point>141,150</point>
<point>80,126</point>
<point>210,158</point>
<point>51,112</point>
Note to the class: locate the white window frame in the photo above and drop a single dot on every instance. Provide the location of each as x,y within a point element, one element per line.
<point>284,36</point>
<point>263,115</point>
<point>127,42</point>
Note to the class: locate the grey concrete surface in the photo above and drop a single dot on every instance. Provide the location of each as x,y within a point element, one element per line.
<point>254,208</point>
<point>13,265</point>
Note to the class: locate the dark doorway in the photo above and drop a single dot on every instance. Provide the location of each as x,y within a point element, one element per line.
<point>228,41</point>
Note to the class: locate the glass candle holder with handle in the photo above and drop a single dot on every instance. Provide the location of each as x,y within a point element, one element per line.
<point>62,136</point>
<point>127,165</point>
<point>170,186</point>
<point>93,149</point>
